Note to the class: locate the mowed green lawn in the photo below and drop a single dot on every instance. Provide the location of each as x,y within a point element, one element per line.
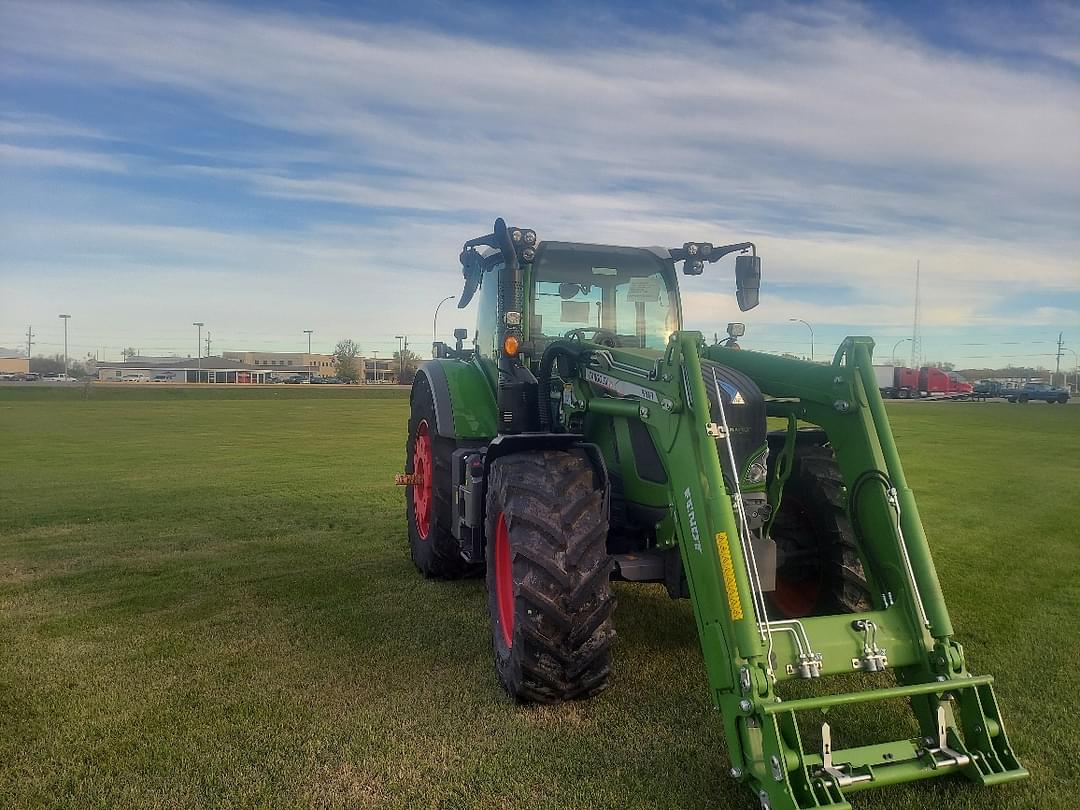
<point>206,600</point>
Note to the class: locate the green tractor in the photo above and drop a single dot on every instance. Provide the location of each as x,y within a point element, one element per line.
<point>587,438</point>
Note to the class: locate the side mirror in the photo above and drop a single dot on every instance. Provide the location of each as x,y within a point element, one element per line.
<point>460,335</point>
<point>747,281</point>
<point>472,269</point>
<point>736,329</point>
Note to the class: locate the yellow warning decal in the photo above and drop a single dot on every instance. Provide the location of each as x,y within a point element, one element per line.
<point>734,603</point>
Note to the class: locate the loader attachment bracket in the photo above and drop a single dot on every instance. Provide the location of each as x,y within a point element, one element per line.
<point>964,736</point>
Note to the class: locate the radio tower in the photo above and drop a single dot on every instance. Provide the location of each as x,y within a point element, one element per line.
<point>916,338</point>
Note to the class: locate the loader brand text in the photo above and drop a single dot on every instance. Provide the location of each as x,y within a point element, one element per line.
<point>621,387</point>
<point>692,518</point>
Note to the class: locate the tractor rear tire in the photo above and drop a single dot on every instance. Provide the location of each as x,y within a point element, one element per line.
<point>819,571</point>
<point>434,549</point>
<point>548,577</point>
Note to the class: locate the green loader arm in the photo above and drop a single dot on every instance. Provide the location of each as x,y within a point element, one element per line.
<point>747,654</point>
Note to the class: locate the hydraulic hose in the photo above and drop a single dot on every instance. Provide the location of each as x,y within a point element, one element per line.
<point>554,350</point>
<point>891,495</point>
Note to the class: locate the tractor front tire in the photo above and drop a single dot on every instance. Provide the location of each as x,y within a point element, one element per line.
<point>548,577</point>
<point>819,571</point>
<point>435,551</point>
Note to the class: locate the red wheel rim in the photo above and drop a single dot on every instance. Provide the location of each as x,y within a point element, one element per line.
<point>796,599</point>
<point>504,580</point>
<point>421,491</point>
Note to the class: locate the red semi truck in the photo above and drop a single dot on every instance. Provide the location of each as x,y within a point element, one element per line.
<point>897,382</point>
<point>937,382</point>
<point>901,382</point>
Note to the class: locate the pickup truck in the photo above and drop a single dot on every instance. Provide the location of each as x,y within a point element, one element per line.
<point>1044,391</point>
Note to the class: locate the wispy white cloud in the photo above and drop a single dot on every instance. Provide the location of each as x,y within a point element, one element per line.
<point>36,157</point>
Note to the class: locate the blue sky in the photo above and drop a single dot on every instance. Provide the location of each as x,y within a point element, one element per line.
<point>269,168</point>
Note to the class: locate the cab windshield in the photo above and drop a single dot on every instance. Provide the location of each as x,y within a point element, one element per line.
<point>624,297</point>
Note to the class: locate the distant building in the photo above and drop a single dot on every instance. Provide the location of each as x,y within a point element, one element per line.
<point>381,370</point>
<point>240,367</point>
<point>285,364</point>
<point>14,364</point>
<point>181,370</point>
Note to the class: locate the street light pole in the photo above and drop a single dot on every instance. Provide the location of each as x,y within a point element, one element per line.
<point>400,357</point>
<point>892,356</point>
<point>65,319</point>
<point>198,351</point>
<point>808,326</point>
<point>308,333</point>
<point>1076,369</point>
<point>435,323</point>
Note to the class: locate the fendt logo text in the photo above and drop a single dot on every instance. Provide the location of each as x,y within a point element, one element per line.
<point>693,519</point>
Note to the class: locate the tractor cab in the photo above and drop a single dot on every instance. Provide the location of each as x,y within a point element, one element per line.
<point>535,294</point>
<point>620,297</point>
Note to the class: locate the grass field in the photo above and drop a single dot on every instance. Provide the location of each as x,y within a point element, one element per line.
<point>206,600</point>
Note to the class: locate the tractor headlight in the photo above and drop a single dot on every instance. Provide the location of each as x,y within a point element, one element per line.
<point>756,473</point>
<point>529,237</point>
<point>528,254</point>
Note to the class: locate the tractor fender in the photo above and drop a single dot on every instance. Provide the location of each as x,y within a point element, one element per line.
<point>510,443</point>
<point>464,403</point>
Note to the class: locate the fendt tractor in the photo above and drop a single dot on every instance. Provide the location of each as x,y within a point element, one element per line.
<point>586,437</point>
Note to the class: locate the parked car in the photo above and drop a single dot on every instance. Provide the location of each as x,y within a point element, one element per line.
<point>134,378</point>
<point>1045,391</point>
<point>163,378</point>
<point>295,379</point>
<point>32,376</point>
<point>988,389</point>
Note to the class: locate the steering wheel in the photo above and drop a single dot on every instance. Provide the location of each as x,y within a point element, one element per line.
<point>605,337</point>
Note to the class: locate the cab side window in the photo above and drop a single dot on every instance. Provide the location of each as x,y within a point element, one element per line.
<point>487,309</point>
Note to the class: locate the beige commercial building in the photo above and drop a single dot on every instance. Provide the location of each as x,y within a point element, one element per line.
<point>14,365</point>
<point>284,364</point>
<point>181,370</point>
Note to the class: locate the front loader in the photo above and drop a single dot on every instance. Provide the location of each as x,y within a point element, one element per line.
<point>586,437</point>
